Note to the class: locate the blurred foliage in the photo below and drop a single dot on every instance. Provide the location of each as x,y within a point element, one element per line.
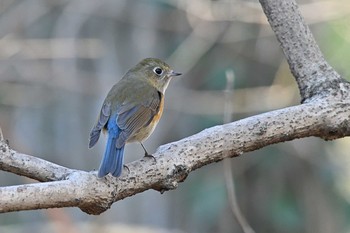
<point>59,58</point>
<point>336,44</point>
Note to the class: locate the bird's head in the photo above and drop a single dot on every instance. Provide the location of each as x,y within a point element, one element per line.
<point>155,71</point>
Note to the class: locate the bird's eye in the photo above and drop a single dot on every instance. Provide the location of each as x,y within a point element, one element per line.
<point>158,71</point>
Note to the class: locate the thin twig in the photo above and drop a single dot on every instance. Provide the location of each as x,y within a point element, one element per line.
<point>229,178</point>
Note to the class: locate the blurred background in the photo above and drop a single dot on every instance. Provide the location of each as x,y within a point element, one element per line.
<point>59,58</point>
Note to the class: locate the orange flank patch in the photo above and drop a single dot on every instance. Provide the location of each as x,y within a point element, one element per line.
<point>157,117</point>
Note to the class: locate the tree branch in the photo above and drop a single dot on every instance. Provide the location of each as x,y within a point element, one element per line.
<point>315,77</point>
<point>30,166</point>
<point>174,160</point>
<point>325,114</point>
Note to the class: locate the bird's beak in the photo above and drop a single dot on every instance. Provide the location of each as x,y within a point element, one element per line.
<point>173,73</point>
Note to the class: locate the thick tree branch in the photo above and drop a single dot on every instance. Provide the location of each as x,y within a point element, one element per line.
<point>325,114</point>
<point>315,77</point>
<point>174,161</point>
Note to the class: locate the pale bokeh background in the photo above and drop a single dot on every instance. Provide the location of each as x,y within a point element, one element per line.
<point>58,59</point>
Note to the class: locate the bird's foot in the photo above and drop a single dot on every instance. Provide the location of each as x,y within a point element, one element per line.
<point>150,156</point>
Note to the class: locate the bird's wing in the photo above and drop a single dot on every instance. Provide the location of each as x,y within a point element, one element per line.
<point>132,117</point>
<point>102,121</point>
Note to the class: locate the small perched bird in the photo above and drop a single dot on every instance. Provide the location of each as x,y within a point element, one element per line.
<point>131,111</point>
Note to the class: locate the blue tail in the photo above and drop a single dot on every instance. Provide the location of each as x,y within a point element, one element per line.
<point>113,158</point>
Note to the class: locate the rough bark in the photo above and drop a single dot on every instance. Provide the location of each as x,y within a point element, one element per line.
<point>174,161</point>
<point>315,77</point>
<point>325,114</point>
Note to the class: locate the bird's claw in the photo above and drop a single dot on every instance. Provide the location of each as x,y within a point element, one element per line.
<point>127,168</point>
<point>150,156</point>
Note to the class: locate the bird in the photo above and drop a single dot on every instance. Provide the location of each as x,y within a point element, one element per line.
<point>131,111</point>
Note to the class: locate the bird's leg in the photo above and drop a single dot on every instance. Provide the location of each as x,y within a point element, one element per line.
<point>146,153</point>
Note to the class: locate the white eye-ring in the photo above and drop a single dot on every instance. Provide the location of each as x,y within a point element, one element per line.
<point>158,71</point>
